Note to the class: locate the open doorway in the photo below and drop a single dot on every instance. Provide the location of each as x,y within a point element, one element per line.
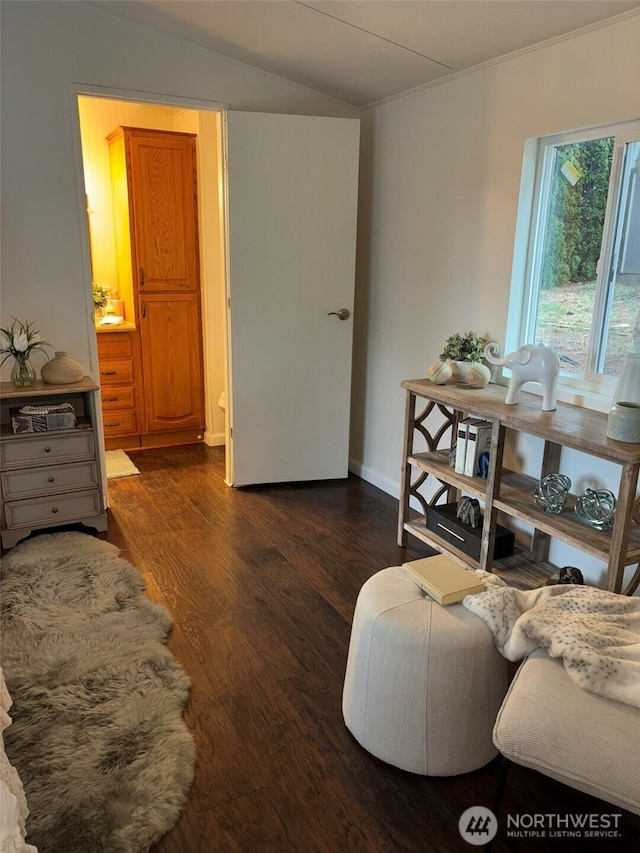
<point>99,117</point>
<point>281,239</point>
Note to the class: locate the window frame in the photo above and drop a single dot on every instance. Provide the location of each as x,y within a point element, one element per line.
<point>593,390</point>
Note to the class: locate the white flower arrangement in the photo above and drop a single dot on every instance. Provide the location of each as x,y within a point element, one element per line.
<point>19,340</point>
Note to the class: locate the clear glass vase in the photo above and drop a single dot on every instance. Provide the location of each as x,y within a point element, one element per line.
<point>22,372</point>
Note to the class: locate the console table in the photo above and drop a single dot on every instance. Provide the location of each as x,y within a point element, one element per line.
<point>508,491</point>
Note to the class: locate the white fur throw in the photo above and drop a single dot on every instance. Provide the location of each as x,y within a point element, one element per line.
<point>597,633</point>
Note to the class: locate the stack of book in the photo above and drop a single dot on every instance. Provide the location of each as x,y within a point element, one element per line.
<point>473,439</point>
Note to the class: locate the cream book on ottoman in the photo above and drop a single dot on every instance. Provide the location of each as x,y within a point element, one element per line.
<point>445,581</point>
<point>423,682</point>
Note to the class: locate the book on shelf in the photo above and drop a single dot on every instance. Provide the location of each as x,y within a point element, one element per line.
<point>461,445</point>
<point>478,442</point>
<point>443,579</point>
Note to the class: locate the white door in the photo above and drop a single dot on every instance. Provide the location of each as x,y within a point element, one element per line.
<point>292,204</point>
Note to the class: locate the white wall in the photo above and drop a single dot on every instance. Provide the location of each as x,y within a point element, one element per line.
<point>439,183</point>
<point>48,51</point>
<point>441,171</point>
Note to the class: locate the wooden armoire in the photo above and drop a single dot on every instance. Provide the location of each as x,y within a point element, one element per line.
<point>151,368</point>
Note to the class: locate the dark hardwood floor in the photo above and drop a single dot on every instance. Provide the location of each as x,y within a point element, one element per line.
<point>261,583</point>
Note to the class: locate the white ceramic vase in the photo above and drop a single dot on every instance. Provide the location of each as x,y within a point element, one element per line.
<point>628,385</point>
<point>624,422</point>
<point>472,373</point>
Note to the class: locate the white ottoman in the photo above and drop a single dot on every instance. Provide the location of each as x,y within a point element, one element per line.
<point>423,683</point>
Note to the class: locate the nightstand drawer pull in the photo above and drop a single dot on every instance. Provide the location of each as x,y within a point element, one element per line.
<point>108,372</point>
<point>110,399</point>
<point>54,509</point>
<point>52,479</point>
<point>47,449</point>
<point>113,426</point>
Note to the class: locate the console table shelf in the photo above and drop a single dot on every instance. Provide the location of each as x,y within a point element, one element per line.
<point>509,492</point>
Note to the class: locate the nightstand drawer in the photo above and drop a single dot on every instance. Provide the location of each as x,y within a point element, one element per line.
<point>118,398</point>
<point>48,480</point>
<point>60,509</point>
<point>115,345</point>
<point>115,372</point>
<point>119,423</point>
<point>47,448</point>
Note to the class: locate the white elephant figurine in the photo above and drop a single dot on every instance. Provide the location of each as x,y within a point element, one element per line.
<point>530,363</point>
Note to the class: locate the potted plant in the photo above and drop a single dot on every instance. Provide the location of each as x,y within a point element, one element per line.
<point>101,294</point>
<point>464,351</point>
<point>467,347</point>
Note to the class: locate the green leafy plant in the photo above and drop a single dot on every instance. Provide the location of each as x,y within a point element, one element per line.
<point>19,339</point>
<point>101,294</point>
<point>466,347</point>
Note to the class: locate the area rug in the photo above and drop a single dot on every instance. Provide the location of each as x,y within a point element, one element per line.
<point>119,465</point>
<point>97,736</point>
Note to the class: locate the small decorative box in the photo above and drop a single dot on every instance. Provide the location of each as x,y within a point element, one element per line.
<point>443,521</point>
<point>43,418</point>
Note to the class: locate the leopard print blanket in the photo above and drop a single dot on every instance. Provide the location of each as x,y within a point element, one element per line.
<point>597,633</point>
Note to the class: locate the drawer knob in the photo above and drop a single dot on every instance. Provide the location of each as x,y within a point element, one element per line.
<point>111,399</point>
<point>108,372</point>
<point>54,509</point>
<point>52,479</point>
<point>47,450</point>
<point>113,425</point>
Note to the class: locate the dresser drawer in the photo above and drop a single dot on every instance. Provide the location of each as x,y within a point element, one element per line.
<point>48,480</point>
<point>45,449</point>
<point>115,345</point>
<point>119,423</point>
<point>118,397</point>
<point>114,372</point>
<point>58,509</point>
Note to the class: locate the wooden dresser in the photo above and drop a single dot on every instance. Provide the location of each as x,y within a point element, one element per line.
<point>51,478</point>
<point>120,387</point>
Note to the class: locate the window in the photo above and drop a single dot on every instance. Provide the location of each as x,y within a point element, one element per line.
<point>580,283</point>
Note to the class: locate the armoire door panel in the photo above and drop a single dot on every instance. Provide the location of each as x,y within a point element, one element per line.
<point>163,197</point>
<point>171,337</point>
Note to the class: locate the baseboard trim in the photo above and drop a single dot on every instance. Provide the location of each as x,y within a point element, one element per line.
<point>214,439</point>
<point>381,482</point>
<point>376,479</point>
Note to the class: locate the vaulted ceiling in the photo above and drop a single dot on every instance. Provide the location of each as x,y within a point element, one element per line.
<point>362,51</point>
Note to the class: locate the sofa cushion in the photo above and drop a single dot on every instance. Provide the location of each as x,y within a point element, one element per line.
<point>549,724</point>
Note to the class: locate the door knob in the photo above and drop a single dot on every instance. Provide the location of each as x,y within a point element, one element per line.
<point>342,314</point>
